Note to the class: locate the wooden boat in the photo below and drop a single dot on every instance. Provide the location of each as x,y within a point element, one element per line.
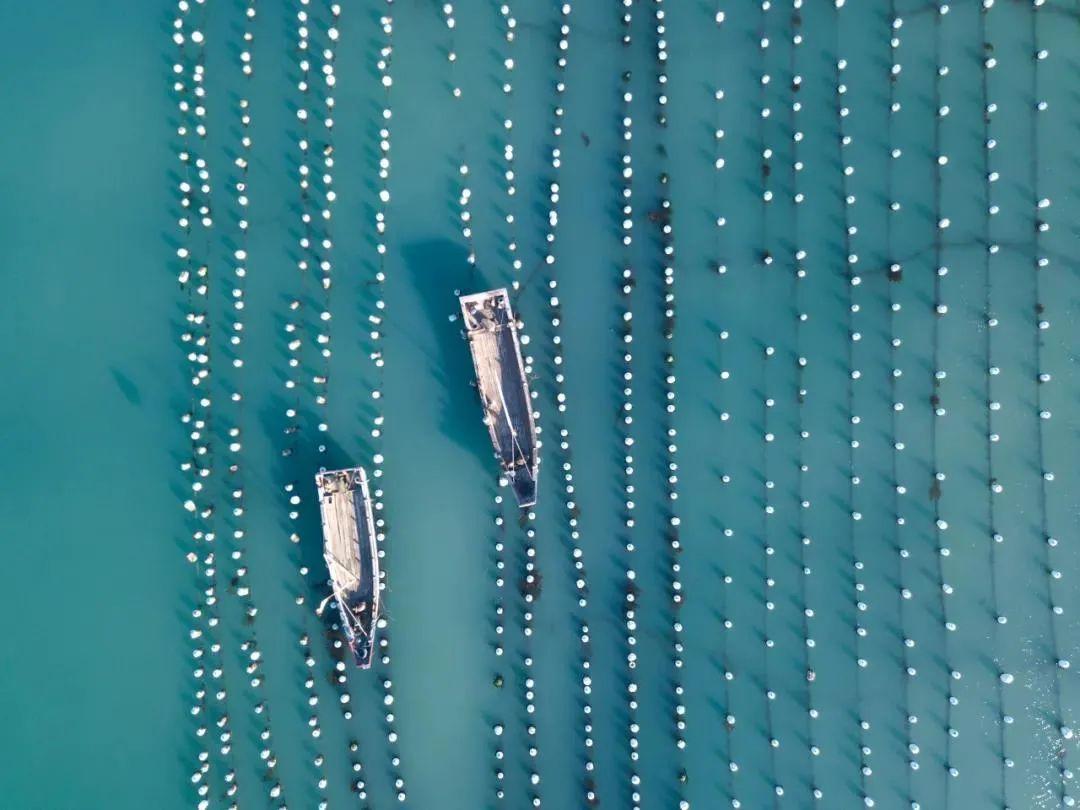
<point>492,332</point>
<point>351,555</point>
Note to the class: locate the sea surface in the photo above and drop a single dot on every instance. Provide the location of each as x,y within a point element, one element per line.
<point>826,254</point>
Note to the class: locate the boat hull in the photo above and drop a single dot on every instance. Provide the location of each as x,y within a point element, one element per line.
<point>492,332</point>
<point>351,554</point>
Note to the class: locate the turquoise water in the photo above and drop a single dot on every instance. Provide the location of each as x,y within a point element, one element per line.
<point>790,483</point>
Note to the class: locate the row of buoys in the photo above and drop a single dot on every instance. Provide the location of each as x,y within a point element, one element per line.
<point>498,630</point>
<point>510,22</point>
<point>627,283</point>
<point>529,683</point>
<point>991,177</point>
<point>451,55</point>
<point>252,657</point>
<point>941,525</point>
<point>667,241</point>
<point>769,445</point>
<point>321,249</point>
<point>530,577</point>
<point>1059,663</point>
<point>899,486</point>
<point>383,669</point>
<point>529,580</point>
<point>719,266</point>
<point>530,574</point>
<point>296,336</point>
<point>317,242</point>
<point>465,216</point>
<point>808,613</point>
<point>1000,619</point>
<point>852,282</point>
<point>212,717</point>
<point>565,453</point>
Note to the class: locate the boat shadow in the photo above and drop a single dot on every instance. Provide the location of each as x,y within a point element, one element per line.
<point>436,268</point>
<point>298,468</point>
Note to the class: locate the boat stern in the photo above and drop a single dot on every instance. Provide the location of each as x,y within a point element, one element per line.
<point>361,650</point>
<point>523,482</point>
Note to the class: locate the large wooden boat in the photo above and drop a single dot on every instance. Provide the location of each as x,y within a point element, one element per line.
<point>492,332</point>
<point>349,548</point>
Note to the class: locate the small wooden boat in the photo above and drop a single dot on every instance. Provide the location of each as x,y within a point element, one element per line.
<point>504,388</point>
<point>351,555</point>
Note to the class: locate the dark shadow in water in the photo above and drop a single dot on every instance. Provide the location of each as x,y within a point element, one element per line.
<point>297,466</point>
<point>438,267</point>
<point>127,386</point>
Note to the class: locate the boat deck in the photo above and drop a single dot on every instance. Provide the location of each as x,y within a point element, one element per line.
<point>347,535</point>
<point>500,376</point>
